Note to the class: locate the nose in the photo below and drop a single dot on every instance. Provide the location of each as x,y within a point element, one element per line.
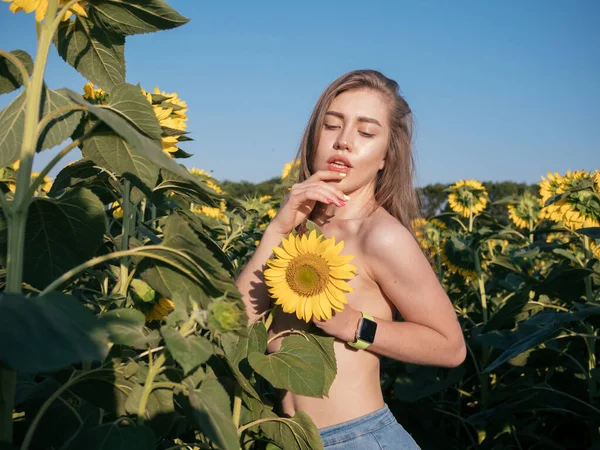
<point>341,143</point>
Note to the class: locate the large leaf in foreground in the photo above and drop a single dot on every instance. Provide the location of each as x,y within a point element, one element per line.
<point>125,326</point>
<point>94,51</point>
<point>131,103</point>
<point>48,332</point>
<point>212,413</point>
<point>296,433</point>
<point>10,76</point>
<point>135,17</point>
<point>12,119</point>
<point>60,234</point>
<point>112,436</point>
<point>297,367</point>
<point>189,351</point>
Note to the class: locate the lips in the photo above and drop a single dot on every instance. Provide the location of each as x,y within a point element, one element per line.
<point>333,161</point>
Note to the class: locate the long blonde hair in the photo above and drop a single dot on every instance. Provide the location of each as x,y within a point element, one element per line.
<point>394,188</point>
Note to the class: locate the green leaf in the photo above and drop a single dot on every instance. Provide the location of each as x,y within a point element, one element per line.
<point>566,254</point>
<point>108,150</point>
<point>141,291</point>
<point>134,17</point>
<point>79,172</point>
<point>593,232</point>
<point>141,146</point>
<point>297,433</point>
<point>325,345</point>
<point>10,76</point>
<point>238,347</point>
<point>424,382</point>
<point>125,326</point>
<point>47,333</point>
<point>505,317</point>
<point>297,367</point>
<point>12,119</point>
<point>113,436</point>
<point>131,103</point>
<point>189,351</point>
<point>159,408</point>
<point>60,234</point>
<point>212,413</point>
<point>171,282</point>
<point>94,51</point>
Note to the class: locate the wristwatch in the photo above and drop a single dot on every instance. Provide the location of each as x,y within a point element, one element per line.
<point>365,333</point>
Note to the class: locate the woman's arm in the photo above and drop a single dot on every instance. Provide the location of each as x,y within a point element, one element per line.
<point>431,333</point>
<point>250,281</point>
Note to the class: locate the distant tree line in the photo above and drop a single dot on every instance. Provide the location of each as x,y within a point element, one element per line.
<point>432,196</point>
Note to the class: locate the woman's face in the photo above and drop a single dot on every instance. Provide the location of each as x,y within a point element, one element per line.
<point>354,138</point>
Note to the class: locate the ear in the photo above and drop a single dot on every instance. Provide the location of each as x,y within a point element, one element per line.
<point>381,164</point>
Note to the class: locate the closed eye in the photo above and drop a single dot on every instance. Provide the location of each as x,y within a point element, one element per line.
<point>330,127</point>
<point>368,135</point>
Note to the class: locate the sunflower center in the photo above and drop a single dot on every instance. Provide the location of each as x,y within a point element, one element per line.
<point>307,274</point>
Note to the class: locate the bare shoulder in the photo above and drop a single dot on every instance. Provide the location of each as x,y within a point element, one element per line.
<point>383,234</point>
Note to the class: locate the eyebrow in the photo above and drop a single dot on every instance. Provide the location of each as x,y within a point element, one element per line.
<point>360,119</point>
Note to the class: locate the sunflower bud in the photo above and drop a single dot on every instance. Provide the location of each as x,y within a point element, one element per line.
<point>224,316</point>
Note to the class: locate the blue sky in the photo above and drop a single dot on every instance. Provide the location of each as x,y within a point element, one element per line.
<point>503,90</point>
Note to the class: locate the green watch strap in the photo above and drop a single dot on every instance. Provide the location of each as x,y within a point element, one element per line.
<point>360,344</point>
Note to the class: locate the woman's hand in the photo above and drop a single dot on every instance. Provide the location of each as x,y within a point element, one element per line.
<point>302,198</point>
<point>342,325</point>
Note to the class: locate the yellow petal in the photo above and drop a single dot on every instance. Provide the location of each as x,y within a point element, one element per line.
<point>341,284</point>
<point>340,260</point>
<point>308,310</point>
<point>288,245</point>
<point>341,274</point>
<point>336,294</point>
<point>325,305</point>
<point>333,251</point>
<point>278,263</point>
<point>281,253</point>
<point>316,307</point>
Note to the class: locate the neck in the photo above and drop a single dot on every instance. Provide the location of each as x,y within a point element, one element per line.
<point>361,204</point>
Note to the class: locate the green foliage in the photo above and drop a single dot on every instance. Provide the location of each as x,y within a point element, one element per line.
<point>10,75</point>
<point>123,323</point>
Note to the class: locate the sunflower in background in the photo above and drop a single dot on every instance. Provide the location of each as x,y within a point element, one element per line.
<point>467,197</point>
<point>156,310</point>
<point>94,95</point>
<point>579,205</point>
<point>430,234</point>
<point>41,6</point>
<point>459,256</point>
<point>525,211</point>
<point>308,276</point>
<point>290,168</point>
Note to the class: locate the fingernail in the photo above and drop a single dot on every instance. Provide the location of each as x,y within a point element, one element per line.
<point>329,200</point>
<point>342,203</point>
<point>342,174</point>
<point>346,197</point>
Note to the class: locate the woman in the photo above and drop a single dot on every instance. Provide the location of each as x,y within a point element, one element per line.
<point>356,183</point>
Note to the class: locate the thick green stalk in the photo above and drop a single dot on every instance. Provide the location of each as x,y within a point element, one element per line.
<point>485,349</point>
<point>589,294</point>
<point>125,237</point>
<point>153,370</point>
<point>18,211</point>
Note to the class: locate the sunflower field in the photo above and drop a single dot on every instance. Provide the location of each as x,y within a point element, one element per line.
<point>120,323</point>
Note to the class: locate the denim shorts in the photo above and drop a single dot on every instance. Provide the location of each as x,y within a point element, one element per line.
<point>375,431</point>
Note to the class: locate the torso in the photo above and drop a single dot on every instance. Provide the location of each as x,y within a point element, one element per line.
<point>356,390</point>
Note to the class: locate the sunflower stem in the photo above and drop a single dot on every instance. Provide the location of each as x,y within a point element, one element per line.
<point>284,332</point>
<point>470,216</point>
<point>18,211</point>
<point>588,279</point>
<point>485,349</point>
<point>149,386</point>
<point>125,237</point>
<point>237,405</point>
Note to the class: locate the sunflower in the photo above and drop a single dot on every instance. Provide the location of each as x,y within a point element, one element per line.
<point>214,186</point>
<point>157,310</point>
<point>262,198</point>
<point>430,234</point>
<point>525,212</point>
<point>271,212</point>
<point>459,256</point>
<point>117,211</point>
<point>307,276</point>
<point>579,207</point>
<point>41,6</point>
<point>466,197</point>
<point>595,249</point>
<point>290,167</point>
<point>46,183</point>
<point>170,111</point>
<point>93,94</point>
<point>212,212</point>
<point>199,172</point>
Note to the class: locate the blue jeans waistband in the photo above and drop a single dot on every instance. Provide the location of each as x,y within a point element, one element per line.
<point>361,425</point>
